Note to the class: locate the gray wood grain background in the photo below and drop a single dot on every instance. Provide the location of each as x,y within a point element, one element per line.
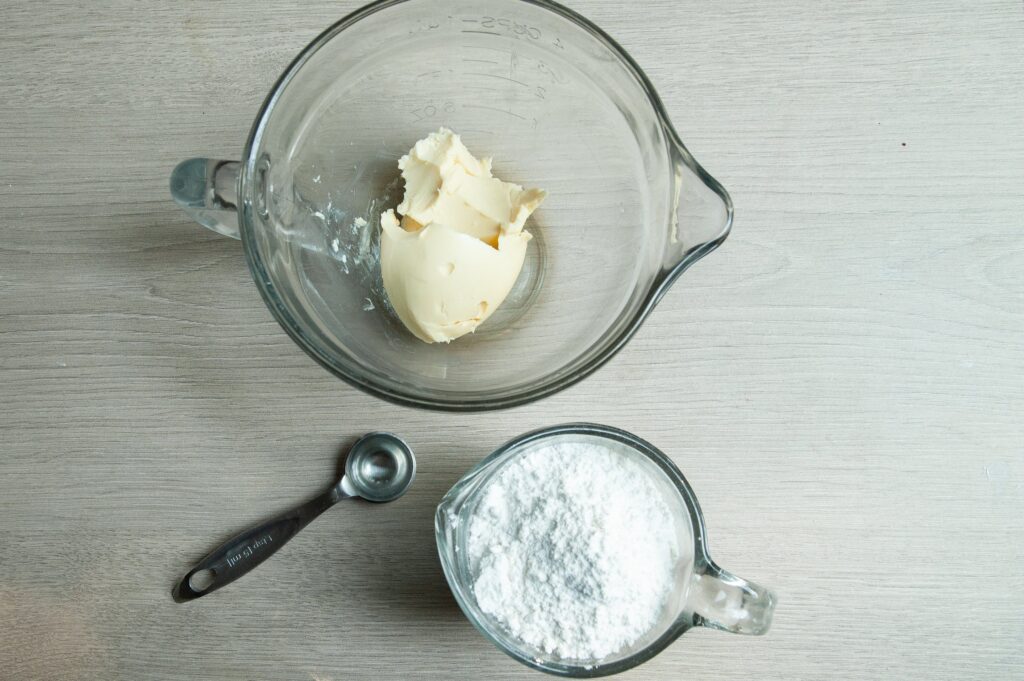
<point>843,383</point>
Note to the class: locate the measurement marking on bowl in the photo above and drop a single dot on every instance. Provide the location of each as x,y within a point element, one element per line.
<point>494,108</point>
<point>499,50</point>
<point>430,110</point>
<point>495,75</point>
<point>482,32</point>
<point>479,61</point>
<point>511,26</point>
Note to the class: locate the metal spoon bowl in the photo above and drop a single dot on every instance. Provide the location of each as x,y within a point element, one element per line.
<point>380,468</point>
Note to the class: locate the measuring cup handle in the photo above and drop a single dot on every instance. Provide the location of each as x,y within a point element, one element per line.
<point>721,600</point>
<point>207,189</point>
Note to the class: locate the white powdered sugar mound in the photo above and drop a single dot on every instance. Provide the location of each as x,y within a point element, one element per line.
<point>574,550</point>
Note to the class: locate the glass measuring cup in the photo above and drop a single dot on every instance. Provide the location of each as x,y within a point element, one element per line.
<point>705,594</point>
<point>558,105</point>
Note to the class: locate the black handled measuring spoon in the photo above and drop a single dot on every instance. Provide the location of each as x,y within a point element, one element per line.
<point>380,467</point>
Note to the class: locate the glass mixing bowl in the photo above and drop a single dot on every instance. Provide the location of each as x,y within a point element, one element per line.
<point>705,594</point>
<point>558,105</point>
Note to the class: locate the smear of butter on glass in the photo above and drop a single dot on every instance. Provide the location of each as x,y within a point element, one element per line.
<point>460,245</point>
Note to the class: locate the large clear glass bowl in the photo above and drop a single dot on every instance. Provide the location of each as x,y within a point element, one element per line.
<point>558,105</point>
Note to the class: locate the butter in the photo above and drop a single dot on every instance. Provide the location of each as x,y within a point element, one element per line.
<point>460,245</point>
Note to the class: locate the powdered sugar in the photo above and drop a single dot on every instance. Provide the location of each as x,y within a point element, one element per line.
<point>574,550</point>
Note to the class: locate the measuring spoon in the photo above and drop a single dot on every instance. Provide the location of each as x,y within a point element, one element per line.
<point>380,468</point>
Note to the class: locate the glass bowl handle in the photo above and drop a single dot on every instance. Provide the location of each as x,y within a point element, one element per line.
<point>207,189</point>
<point>720,600</point>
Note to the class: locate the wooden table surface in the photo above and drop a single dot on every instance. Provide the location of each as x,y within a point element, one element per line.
<point>843,382</point>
